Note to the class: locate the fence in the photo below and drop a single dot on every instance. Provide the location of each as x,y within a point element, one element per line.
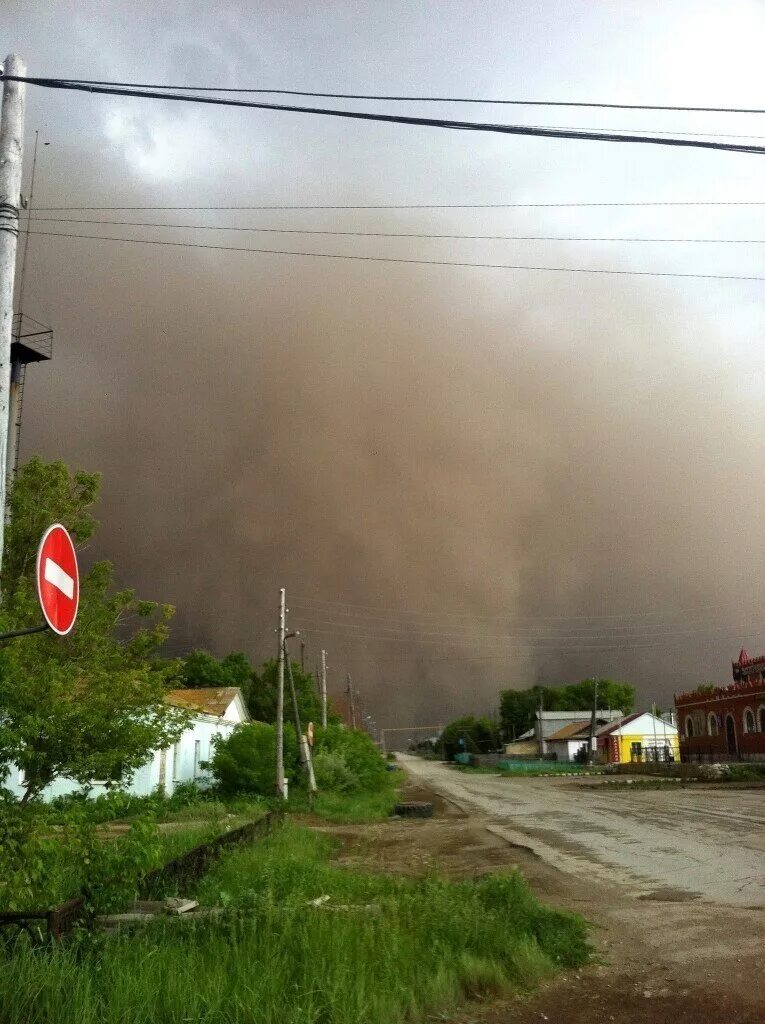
<point>56,922</point>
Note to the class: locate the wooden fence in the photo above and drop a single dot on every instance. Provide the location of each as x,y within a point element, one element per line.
<point>56,922</point>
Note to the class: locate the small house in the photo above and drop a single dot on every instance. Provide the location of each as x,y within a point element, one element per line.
<point>215,711</point>
<point>639,737</point>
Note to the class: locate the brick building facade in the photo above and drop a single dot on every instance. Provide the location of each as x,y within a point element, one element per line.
<point>726,723</point>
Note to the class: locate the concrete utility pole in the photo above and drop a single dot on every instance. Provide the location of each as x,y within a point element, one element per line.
<point>17,366</point>
<point>324,689</point>
<point>280,697</point>
<point>11,153</point>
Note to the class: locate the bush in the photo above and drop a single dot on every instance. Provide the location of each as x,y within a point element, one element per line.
<point>332,772</point>
<point>245,761</point>
<point>362,758</point>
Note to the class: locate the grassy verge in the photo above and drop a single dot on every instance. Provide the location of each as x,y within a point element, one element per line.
<point>527,770</point>
<point>379,950</point>
<point>58,859</point>
<point>355,807</point>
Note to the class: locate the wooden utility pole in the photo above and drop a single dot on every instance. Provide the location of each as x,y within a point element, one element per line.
<point>280,697</point>
<point>541,728</point>
<point>593,724</point>
<point>351,701</point>
<point>303,750</point>
<point>302,656</point>
<point>11,153</point>
<point>324,689</point>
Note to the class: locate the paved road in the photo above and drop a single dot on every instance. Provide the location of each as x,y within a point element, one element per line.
<point>696,843</point>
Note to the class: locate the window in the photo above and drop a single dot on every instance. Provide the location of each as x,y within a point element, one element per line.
<point>636,751</point>
<point>749,725</point>
<point>689,727</point>
<point>761,716</point>
<point>197,756</point>
<point>712,726</point>
<point>176,760</point>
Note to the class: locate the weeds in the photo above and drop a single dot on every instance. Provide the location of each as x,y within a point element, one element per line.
<point>380,950</point>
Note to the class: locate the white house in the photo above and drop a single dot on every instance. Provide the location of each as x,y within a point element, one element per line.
<point>216,712</point>
<point>550,726</point>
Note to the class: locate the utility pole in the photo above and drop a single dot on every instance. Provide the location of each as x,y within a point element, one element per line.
<point>541,723</point>
<point>324,689</point>
<point>593,723</point>
<point>303,750</point>
<point>302,656</point>
<point>11,153</point>
<point>280,697</point>
<point>351,701</point>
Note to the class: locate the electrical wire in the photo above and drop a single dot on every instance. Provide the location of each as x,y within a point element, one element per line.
<point>87,82</point>
<point>422,206</point>
<point>393,234</point>
<point>468,634</point>
<point>421,122</point>
<point>401,259</point>
<point>545,618</point>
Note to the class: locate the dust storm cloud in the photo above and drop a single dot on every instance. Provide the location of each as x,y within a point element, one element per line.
<point>450,470</point>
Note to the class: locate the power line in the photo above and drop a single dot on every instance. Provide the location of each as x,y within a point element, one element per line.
<point>467,634</point>
<point>88,82</point>
<point>421,122</point>
<point>401,259</point>
<point>424,206</point>
<point>395,234</point>
<point>502,615</point>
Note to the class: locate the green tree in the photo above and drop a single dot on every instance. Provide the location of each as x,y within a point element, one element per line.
<point>261,700</point>
<point>471,735</point>
<point>245,762</point>
<point>518,708</point>
<point>200,668</point>
<point>90,705</point>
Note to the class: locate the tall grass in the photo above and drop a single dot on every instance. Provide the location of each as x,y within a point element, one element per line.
<point>380,950</point>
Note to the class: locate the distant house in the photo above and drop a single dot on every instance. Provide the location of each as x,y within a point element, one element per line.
<point>548,723</point>
<point>569,741</point>
<point>215,712</point>
<point>637,738</point>
<point>726,723</point>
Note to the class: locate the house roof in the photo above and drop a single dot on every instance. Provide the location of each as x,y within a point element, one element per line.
<point>614,726</point>
<point>209,700</point>
<point>569,732</point>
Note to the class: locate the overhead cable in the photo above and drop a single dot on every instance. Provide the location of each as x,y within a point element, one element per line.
<point>404,260</point>
<point>424,206</point>
<point>362,115</point>
<point>395,234</point>
<point>393,98</point>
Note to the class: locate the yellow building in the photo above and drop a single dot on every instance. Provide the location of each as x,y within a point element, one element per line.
<point>639,737</point>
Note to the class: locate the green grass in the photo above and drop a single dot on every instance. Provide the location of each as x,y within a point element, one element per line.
<point>381,950</point>
<point>528,769</point>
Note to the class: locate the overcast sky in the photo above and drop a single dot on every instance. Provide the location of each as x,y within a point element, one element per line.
<point>492,478</point>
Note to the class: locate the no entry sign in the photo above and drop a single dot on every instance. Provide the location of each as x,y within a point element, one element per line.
<point>58,579</point>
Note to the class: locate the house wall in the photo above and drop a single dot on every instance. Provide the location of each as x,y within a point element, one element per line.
<point>147,778</point>
<point>647,740</point>
<point>565,750</point>
<point>707,714</point>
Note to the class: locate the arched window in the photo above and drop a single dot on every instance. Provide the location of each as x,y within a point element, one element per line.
<point>749,725</point>
<point>689,727</point>
<point>761,716</point>
<point>712,726</point>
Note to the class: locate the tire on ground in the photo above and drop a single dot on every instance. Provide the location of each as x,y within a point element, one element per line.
<point>414,809</point>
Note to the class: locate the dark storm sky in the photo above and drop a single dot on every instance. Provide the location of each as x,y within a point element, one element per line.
<point>467,479</point>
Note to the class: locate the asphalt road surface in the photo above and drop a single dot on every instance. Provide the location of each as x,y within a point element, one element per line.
<point>686,843</point>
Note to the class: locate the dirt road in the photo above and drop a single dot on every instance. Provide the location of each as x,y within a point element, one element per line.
<point>700,842</point>
<point>672,881</point>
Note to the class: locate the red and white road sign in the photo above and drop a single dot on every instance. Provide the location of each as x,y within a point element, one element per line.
<point>58,579</point>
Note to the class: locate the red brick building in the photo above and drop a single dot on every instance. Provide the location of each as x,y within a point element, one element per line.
<point>725,723</point>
